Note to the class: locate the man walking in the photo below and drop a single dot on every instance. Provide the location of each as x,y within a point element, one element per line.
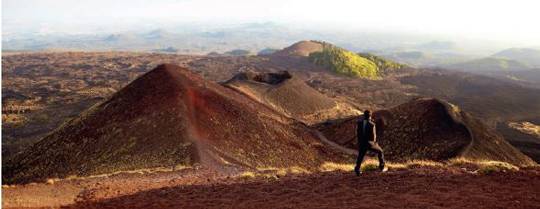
<point>367,140</point>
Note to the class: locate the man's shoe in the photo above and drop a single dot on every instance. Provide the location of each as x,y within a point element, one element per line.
<point>357,171</point>
<point>384,169</point>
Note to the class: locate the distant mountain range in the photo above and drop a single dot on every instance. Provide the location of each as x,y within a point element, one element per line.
<point>185,40</point>
<point>526,55</point>
<point>203,39</point>
<point>514,59</point>
<point>439,47</point>
<point>519,65</point>
<point>510,60</point>
<point>490,64</point>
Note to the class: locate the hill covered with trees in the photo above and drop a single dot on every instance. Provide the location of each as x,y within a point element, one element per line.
<point>383,64</point>
<point>348,63</point>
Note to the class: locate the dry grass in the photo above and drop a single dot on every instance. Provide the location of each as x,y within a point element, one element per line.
<point>526,127</point>
<point>396,165</point>
<point>247,175</point>
<point>490,167</point>
<point>423,163</point>
<point>273,173</point>
<point>297,170</point>
<point>146,170</point>
<point>283,171</point>
<point>367,165</point>
<point>460,161</point>
<point>330,166</point>
<point>271,177</point>
<point>138,171</point>
<point>52,180</point>
<point>485,166</point>
<point>13,119</point>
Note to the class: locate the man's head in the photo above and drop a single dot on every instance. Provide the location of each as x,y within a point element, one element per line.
<point>367,114</point>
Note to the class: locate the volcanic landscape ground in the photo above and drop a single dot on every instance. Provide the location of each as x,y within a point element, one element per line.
<point>413,187</point>
<point>42,90</point>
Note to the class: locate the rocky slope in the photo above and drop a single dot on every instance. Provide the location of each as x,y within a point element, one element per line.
<point>289,95</point>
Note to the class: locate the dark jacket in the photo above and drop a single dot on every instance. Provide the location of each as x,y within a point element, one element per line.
<point>369,134</point>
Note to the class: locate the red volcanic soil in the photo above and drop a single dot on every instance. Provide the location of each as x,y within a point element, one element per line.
<point>420,187</point>
<point>171,117</point>
<point>430,129</point>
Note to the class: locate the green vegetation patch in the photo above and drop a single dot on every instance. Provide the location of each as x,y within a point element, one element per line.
<point>344,62</point>
<point>383,64</point>
<point>364,65</point>
<point>491,167</point>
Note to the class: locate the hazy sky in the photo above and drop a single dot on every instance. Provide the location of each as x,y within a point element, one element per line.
<point>511,21</point>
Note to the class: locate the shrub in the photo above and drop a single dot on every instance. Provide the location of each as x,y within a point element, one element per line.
<point>395,165</point>
<point>459,161</point>
<point>247,175</point>
<point>423,163</point>
<point>330,166</point>
<point>490,167</point>
<point>271,177</point>
<point>283,171</point>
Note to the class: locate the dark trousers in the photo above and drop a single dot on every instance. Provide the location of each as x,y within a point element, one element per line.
<point>371,146</point>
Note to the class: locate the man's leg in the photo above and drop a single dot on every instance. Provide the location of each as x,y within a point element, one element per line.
<point>361,153</point>
<point>380,153</point>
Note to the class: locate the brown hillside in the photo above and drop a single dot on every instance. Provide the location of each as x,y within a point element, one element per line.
<point>302,48</point>
<point>289,95</point>
<point>169,117</point>
<point>430,129</point>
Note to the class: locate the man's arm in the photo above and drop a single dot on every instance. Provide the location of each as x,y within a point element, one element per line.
<point>374,134</point>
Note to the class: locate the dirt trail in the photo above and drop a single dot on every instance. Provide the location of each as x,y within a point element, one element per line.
<point>467,149</point>
<point>335,145</point>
